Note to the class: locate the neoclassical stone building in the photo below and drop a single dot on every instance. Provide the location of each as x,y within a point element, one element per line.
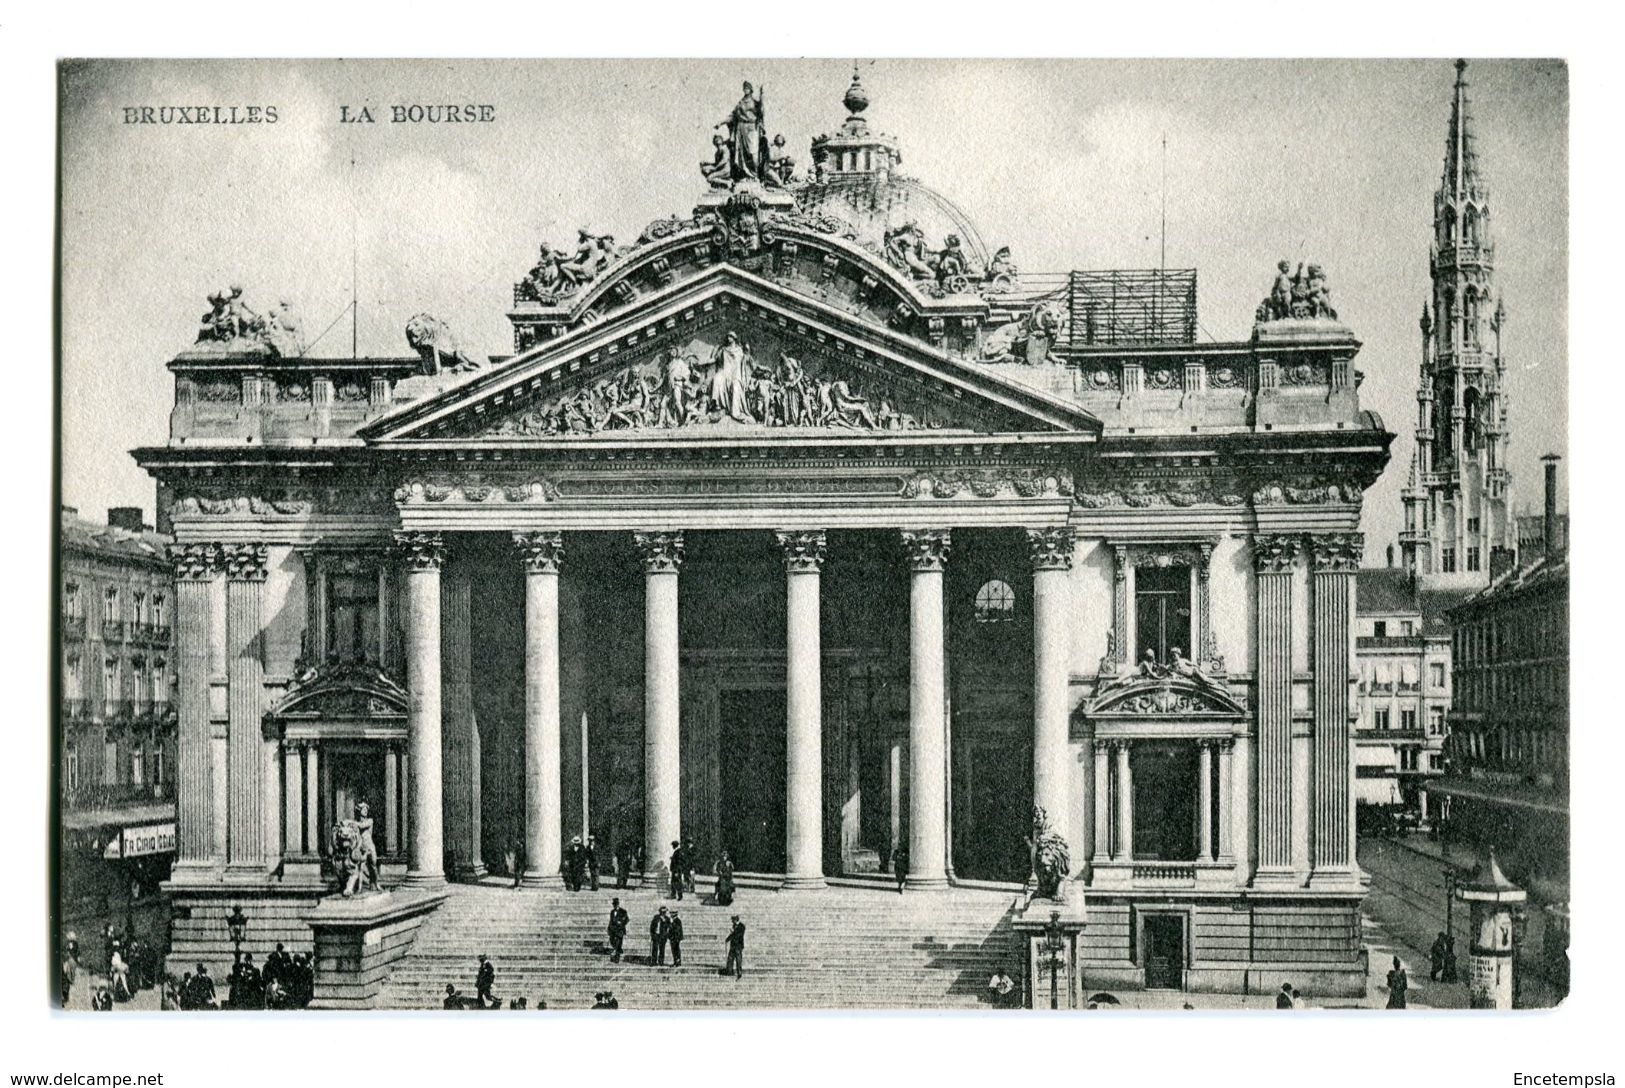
<point>810,529</point>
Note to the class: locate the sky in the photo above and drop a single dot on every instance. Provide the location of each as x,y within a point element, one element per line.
<point>1328,161</point>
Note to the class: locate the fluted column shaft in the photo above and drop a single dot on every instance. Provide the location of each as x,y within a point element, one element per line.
<point>392,800</point>
<point>662,782</point>
<point>460,736</point>
<point>422,555</point>
<point>1274,558</point>
<point>1102,844</point>
<point>1204,800</point>
<point>1226,786</point>
<point>195,568</point>
<point>313,797</point>
<point>1125,804</point>
<point>804,764</point>
<point>246,846</point>
<point>293,802</point>
<point>541,554</point>
<point>928,795</point>
<point>1336,558</point>
<point>1050,551</point>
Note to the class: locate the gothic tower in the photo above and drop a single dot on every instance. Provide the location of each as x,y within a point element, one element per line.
<point>1458,499</point>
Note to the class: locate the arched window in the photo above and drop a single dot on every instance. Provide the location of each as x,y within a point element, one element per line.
<point>1450,226</point>
<point>1469,227</point>
<point>995,602</point>
<point>1472,426</point>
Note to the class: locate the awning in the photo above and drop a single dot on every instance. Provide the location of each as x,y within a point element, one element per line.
<point>95,819</point>
<point>1511,796</point>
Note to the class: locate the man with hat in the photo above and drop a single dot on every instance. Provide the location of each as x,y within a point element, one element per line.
<point>483,979</point>
<point>679,861</point>
<point>659,930</point>
<point>619,919</point>
<point>674,937</point>
<point>736,950</point>
<point>575,863</point>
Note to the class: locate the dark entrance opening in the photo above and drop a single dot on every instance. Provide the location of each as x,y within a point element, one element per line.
<point>354,774</point>
<point>752,765</point>
<point>994,808</point>
<point>1164,952</point>
<point>1165,802</point>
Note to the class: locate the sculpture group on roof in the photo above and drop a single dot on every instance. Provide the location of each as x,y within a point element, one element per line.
<point>231,322</point>
<point>1303,296</point>
<point>682,390</point>
<point>558,274</point>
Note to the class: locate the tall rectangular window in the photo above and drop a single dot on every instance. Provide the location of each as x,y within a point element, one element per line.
<point>1162,612</point>
<point>1472,558</point>
<point>71,768</point>
<point>1435,721</point>
<point>1472,525</point>
<point>1380,716</point>
<point>1379,628</point>
<point>157,764</point>
<point>1449,561</point>
<point>110,613</point>
<point>138,607</point>
<point>136,766</point>
<point>110,763</point>
<point>73,606</point>
<point>1407,718</point>
<point>157,609</point>
<point>1436,674</point>
<point>352,617</point>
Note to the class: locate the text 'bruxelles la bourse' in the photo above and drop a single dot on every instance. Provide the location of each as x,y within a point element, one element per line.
<point>412,114</point>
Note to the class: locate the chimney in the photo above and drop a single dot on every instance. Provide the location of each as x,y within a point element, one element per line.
<point>1550,538</point>
<point>125,517</point>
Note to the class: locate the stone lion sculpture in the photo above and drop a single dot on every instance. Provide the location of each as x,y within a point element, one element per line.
<point>432,339</point>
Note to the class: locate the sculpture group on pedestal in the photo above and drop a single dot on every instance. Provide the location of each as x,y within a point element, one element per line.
<point>355,857</point>
<point>1302,296</point>
<point>1051,857</point>
<point>557,274</point>
<point>231,322</point>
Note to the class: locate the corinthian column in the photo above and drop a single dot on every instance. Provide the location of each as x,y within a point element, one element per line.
<point>422,555</point>
<point>928,795</point>
<point>460,740</point>
<point>195,568</point>
<point>1335,558</point>
<point>662,784</point>
<point>1274,558</point>
<point>1051,553</point>
<point>541,554</point>
<point>804,784</point>
<point>245,743</point>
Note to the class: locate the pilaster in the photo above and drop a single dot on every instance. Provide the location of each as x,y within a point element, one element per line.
<point>1335,559</point>
<point>246,846</point>
<point>196,567</point>
<point>1274,559</point>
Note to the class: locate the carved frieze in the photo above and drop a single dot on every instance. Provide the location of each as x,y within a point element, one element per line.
<point>244,562</point>
<point>1308,491</point>
<point>1336,552</point>
<point>477,487</point>
<point>1276,553</point>
<point>989,483</point>
<point>1143,494</point>
<point>927,549</point>
<point>421,551</point>
<point>662,552</point>
<point>804,550</point>
<point>541,552</point>
<point>270,501</point>
<point>1050,549</point>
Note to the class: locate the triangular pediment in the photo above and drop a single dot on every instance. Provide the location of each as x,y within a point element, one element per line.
<point>1138,696</point>
<point>729,355</point>
<point>342,691</point>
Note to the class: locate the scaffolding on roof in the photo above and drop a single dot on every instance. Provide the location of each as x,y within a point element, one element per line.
<point>1131,306</point>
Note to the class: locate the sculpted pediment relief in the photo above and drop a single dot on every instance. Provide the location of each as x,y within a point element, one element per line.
<point>1137,695</point>
<point>342,691</point>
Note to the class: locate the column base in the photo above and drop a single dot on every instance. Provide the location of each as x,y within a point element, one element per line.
<point>1278,878</point>
<point>926,883</point>
<point>537,878</point>
<point>248,874</point>
<point>423,879</point>
<point>803,882</point>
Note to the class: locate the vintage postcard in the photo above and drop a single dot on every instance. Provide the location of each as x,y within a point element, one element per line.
<point>804,535</point>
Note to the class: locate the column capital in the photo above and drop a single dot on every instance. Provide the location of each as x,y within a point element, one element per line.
<point>1336,553</point>
<point>804,549</point>
<point>927,549</point>
<point>662,552</point>
<point>195,562</point>
<point>1120,562</point>
<point>1050,549</point>
<point>244,562</point>
<point>421,551</point>
<point>541,552</point>
<point>1204,560</point>
<point>1275,553</point>
<point>1121,745</point>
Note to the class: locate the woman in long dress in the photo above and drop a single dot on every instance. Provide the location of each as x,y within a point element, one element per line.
<point>731,366</point>
<point>725,880</point>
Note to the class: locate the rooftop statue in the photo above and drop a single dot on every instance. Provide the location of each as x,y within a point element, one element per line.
<point>437,347</point>
<point>1303,296</point>
<point>231,323</point>
<point>746,142</point>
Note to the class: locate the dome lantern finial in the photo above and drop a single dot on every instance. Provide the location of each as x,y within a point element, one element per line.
<point>856,99</point>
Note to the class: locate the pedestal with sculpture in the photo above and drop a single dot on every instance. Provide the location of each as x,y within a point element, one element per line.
<point>1049,923</point>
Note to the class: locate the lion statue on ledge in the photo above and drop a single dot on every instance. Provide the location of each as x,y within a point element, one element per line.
<point>432,339</point>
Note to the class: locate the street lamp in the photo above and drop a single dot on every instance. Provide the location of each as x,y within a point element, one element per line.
<point>1449,874</point>
<point>1055,945</point>
<point>237,923</point>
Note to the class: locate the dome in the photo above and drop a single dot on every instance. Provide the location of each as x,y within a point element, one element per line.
<point>874,203</point>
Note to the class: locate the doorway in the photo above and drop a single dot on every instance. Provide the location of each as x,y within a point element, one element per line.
<point>1165,808</point>
<point>752,770</point>
<point>356,774</point>
<point>1164,951</point>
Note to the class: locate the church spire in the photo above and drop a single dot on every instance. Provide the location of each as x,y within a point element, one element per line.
<point>1461,175</point>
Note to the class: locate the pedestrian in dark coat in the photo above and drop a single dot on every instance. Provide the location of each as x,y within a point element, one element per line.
<point>899,860</point>
<point>1436,958</point>
<point>591,852</point>
<point>1283,1000</point>
<point>725,880</point>
<point>659,930</point>
<point>454,1000</point>
<point>1449,959</point>
<point>483,980</point>
<point>678,863</point>
<point>575,864</point>
<point>674,937</point>
<point>1397,985</point>
<point>735,965</point>
<point>618,921</point>
<point>690,852</point>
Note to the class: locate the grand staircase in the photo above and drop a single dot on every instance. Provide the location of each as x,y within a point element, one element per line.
<point>845,947</point>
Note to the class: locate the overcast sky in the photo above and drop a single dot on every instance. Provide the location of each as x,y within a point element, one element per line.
<point>1329,161</point>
